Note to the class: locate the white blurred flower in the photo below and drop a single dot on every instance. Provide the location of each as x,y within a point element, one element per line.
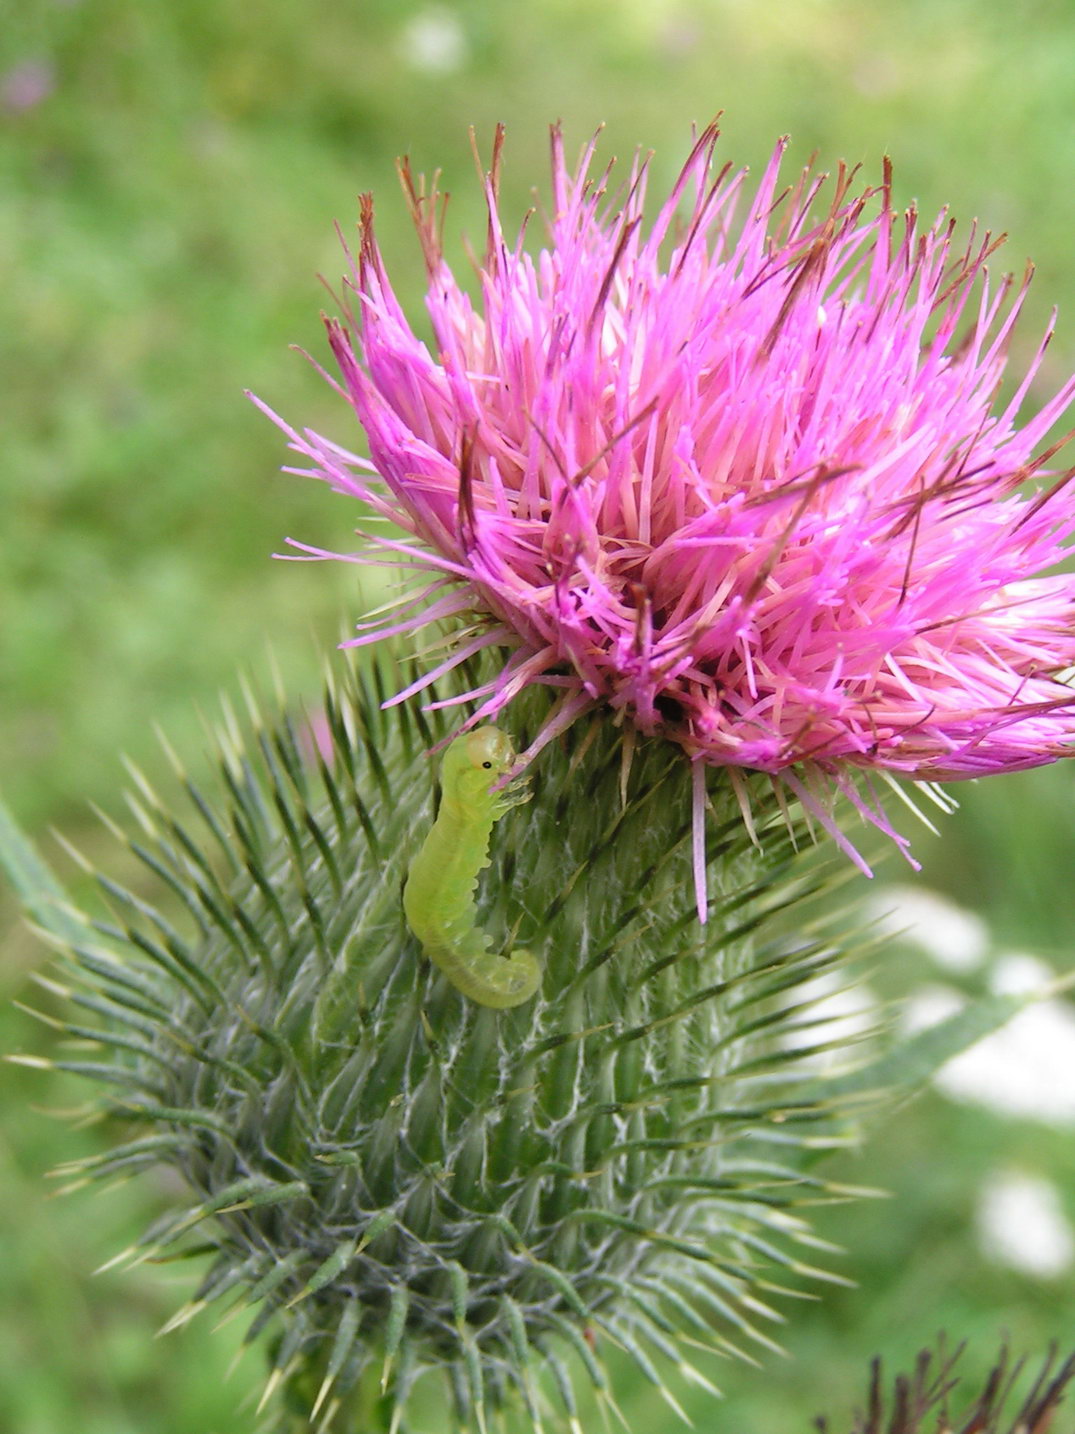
<point>928,1007</point>
<point>833,1012</point>
<point>434,41</point>
<point>1021,1223</point>
<point>1018,972</point>
<point>1027,1068</point>
<point>956,939</point>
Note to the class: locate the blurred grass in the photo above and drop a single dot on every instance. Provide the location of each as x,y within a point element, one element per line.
<point>166,201</point>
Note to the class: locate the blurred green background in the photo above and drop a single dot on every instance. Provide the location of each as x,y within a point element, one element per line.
<point>170,177</point>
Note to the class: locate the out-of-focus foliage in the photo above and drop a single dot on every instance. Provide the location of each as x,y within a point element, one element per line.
<point>169,175</point>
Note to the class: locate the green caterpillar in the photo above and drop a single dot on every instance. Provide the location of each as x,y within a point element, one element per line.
<point>438,898</point>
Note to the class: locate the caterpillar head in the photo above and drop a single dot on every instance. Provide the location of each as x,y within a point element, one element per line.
<point>474,762</point>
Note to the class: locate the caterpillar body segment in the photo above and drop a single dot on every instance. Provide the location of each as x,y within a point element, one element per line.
<point>438,898</point>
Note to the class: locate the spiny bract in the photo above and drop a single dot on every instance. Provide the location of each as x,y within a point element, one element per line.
<point>397,1180</point>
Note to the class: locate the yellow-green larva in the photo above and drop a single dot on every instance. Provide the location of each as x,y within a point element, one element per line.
<point>438,898</point>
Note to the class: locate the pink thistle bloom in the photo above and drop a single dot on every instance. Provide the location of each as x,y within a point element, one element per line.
<point>740,476</point>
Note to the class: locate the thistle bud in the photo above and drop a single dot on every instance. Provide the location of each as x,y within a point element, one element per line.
<point>398,1181</point>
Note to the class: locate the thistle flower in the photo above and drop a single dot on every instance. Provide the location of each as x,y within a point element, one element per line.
<point>739,477</point>
<point>734,496</point>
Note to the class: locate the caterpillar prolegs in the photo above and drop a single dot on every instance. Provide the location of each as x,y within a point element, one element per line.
<point>438,898</point>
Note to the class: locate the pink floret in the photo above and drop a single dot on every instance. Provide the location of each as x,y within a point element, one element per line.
<point>739,474</point>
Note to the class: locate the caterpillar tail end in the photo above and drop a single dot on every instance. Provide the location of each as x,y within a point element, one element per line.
<point>517,978</point>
